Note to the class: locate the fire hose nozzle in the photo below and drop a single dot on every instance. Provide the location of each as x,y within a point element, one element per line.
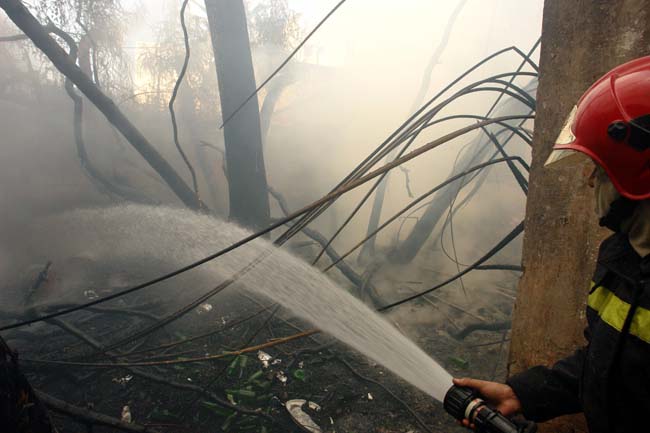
<point>465,403</point>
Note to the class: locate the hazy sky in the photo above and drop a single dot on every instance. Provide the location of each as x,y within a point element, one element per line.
<point>412,26</point>
<point>382,47</point>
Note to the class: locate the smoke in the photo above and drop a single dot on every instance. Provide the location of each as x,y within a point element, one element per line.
<point>351,86</point>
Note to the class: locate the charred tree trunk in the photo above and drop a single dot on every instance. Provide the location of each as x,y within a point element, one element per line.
<point>249,201</point>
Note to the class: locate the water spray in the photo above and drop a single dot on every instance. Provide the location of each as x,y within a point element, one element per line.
<point>465,403</point>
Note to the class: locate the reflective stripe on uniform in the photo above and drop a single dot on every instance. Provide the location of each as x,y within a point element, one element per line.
<point>613,311</point>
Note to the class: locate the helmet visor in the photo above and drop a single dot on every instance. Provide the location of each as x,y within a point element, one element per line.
<point>565,137</point>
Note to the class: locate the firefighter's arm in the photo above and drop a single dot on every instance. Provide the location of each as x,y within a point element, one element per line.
<point>547,393</point>
<point>539,394</point>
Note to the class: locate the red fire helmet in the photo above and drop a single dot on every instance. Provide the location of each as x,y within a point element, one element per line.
<point>611,124</point>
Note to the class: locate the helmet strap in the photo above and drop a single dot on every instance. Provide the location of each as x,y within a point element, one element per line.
<point>620,210</point>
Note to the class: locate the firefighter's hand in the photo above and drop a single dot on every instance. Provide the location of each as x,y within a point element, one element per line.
<point>498,395</point>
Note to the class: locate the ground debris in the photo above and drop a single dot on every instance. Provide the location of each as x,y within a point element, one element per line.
<point>264,358</point>
<point>123,380</point>
<point>281,377</point>
<point>126,414</point>
<point>302,419</point>
<point>204,308</point>
<point>91,294</point>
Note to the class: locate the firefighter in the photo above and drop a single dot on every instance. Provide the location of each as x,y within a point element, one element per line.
<point>609,378</point>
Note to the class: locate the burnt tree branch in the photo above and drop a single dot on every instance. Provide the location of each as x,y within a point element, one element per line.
<point>157,378</point>
<point>39,35</point>
<point>93,173</point>
<point>86,416</point>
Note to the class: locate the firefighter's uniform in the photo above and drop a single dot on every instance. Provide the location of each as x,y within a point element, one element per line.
<point>609,379</point>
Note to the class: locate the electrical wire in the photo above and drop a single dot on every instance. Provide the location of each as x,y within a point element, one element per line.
<point>420,198</point>
<point>405,129</point>
<point>177,86</point>
<point>518,177</point>
<point>498,247</point>
<point>467,90</point>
